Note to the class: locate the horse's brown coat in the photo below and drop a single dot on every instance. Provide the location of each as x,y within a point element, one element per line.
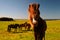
<point>39,26</point>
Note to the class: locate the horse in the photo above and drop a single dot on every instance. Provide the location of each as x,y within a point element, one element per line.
<point>38,24</point>
<point>15,26</point>
<point>26,25</point>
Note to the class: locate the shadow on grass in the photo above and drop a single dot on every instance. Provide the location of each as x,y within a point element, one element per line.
<point>23,31</point>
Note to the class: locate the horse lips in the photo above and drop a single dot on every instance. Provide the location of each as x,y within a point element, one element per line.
<point>34,21</point>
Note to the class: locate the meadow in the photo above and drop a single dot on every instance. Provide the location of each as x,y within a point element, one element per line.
<point>52,32</point>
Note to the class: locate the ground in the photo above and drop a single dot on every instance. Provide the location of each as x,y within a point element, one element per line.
<point>52,33</point>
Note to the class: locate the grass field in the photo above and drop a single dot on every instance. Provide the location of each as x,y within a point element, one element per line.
<point>52,33</point>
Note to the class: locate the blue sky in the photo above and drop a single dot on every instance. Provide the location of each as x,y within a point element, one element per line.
<point>18,9</point>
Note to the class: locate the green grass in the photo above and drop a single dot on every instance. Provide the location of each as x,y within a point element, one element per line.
<point>52,32</point>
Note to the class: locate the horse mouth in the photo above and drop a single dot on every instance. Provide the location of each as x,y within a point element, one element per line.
<point>34,21</point>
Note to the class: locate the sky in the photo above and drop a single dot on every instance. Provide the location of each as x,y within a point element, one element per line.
<point>18,9</point>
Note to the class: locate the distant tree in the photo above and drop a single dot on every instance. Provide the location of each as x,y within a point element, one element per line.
<point>6,19</point>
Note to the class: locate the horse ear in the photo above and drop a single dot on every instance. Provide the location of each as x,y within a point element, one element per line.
<point>38,5</point>
<point>29,7</point>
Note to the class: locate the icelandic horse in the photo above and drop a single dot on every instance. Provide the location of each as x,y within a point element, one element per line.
<point>37,23</point>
